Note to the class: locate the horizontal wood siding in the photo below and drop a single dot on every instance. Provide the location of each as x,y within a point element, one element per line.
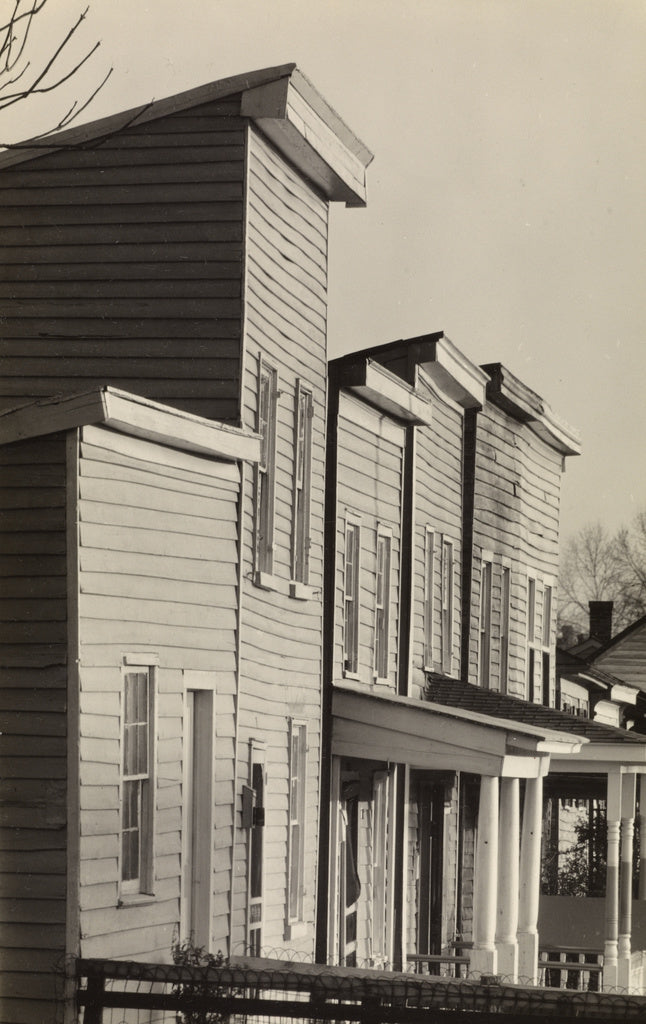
<point>33,672</point>
<point>281,645</point>
<point>438,507</point>
<point>122,264</point>
<point>370,468</point>
<point>158,556</point>
<point>516,519</point>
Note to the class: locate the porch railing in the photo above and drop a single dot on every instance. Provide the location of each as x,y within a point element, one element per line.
<point>571,969</point>
<point>443,966</point>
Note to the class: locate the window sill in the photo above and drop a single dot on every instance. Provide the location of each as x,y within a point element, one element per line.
<point>135,899</point>
<point>351,675</point>
<point>265,580</point>
<point>301,591</point>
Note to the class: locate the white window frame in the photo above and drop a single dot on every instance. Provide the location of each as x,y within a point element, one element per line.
<point>546,640</point>
<point>505,625</point>
<point>297,737</point>
<point>256,846</point>
<point>429,603</point>
<point>302,496</point>
<point>266,416</point>
<point>142,884</point>
<point>532,649</point>
<point>486,621</point>
<point>352,596</point>
<point>447,597</point>
<point>383,583</point>
<point>381,846</point>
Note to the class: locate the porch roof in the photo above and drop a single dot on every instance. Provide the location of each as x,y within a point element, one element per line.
<point>385,726</point>
<point>456,694</point>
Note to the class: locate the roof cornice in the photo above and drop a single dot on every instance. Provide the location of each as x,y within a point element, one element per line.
<point>384,390</point>
<point>512,396</point>
<point>280,100</point>
<point>129,414</point>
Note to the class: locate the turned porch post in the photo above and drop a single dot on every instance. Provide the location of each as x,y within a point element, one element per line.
<point>613,814</point>
<point>483,957</point>
<point>508,877</point>
<point>642,837</point>
<point>628,793</point>
<point>530,882</point>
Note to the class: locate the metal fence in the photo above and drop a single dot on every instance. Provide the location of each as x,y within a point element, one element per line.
<point>250,991</point>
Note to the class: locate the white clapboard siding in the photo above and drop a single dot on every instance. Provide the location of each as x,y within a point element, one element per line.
<point>281,645</point>
<point>438,506</point>
<point>516,518</point>
<point>369,468</point>
<point>158,577</point>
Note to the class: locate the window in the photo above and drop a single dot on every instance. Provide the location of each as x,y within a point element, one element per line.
<point>256,791</point>
<point>382,604</point>
<point>485,624</point>
<point>351,590</point>
<point>380,842</point>
<point>547,633</point>
<point>296,838</point>
<point>137,781</point>
<point>505,617</point>
<point>302,484</point>
<point>531,639</point>
<point>429,582</point>
<point>447,606</point>
<point>265,479</point>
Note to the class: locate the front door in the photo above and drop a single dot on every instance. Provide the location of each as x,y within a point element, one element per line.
<point>430,805</point>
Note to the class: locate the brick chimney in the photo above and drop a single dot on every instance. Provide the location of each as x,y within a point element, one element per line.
<point>600,620</point>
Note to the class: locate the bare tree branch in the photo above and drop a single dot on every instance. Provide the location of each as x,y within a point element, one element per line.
<point>20,83</point>
<point>597,566</point>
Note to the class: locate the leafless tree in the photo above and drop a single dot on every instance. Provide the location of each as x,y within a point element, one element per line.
<point>599,566</point>
<point>21,78</point>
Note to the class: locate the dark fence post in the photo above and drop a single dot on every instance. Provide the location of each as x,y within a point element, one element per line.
<point>94,1001</point>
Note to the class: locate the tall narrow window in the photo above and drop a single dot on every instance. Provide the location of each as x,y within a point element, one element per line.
<point>256,851</point>
<point>351,589</point>
<point>547,635</point>
<point>265,480</point>
<point>380,843</point>
<point>485,625</point>
<point>137,782</point>
<point>382,604</point>
<point>429,583</point>
<point>505,618</point>
<point>296,837</point>
<point>302,485</point>
<point>447,606</point>
<point>531,639</point>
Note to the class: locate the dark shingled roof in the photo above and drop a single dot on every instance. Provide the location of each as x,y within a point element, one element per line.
<point>455,694</point>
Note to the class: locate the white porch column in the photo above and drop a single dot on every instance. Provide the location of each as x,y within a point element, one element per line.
<point>628,793</point>
<point>530,882</point>
<point>483,957</point>
<point>642,837</point>
<point>613,814</point>
<point>508,875</point>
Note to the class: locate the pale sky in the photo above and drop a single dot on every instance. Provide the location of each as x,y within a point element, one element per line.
<point>506,200</point>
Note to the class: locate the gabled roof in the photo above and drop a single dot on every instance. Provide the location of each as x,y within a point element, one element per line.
<point>517,400</point>
<point>129,414</point>
<point>625,654</point>
<point>280,100</point>
<point>467,697</point>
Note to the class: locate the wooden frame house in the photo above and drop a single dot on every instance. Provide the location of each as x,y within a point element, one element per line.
<point>121,576</point>
<point>436,768</point>
<point>179,252</point>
